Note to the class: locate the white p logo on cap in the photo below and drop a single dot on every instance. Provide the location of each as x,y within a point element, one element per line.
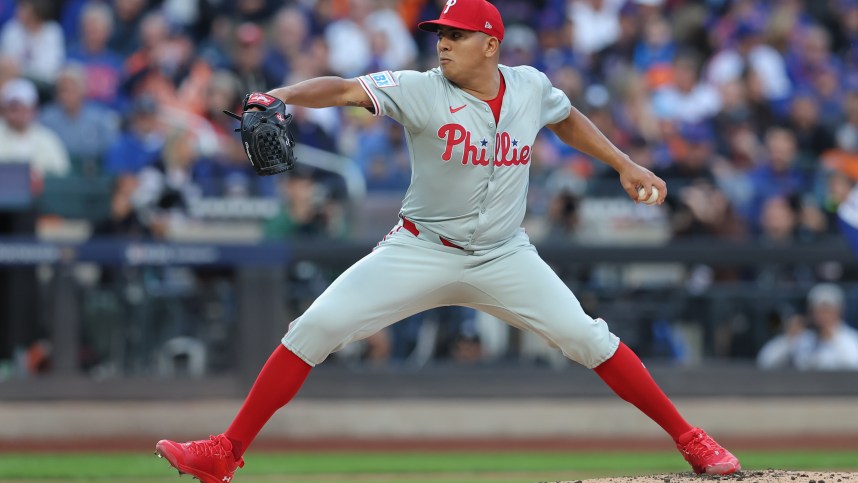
<point>450,3</point>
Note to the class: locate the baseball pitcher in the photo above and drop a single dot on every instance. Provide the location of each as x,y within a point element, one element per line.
<point>470,125</point>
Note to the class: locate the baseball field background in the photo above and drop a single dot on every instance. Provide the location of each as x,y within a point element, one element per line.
<point>459,441</point>
<point>405,466</point>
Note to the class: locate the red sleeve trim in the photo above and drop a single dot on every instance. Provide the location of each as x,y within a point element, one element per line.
<point>375,105</point>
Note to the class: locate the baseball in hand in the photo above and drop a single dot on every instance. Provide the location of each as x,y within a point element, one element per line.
<point>653,197</point>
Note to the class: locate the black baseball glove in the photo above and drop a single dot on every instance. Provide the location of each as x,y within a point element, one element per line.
<point>265,134</point>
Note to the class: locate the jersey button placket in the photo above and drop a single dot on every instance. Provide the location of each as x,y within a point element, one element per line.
<point>492,167</point>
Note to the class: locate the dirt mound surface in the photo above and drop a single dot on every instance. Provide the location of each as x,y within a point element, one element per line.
<point>767,476</point>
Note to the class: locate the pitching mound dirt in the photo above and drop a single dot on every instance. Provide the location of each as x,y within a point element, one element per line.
<point>767,476</point>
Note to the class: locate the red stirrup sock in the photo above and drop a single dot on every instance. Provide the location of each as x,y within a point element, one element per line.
<point>277,383</point>
<point>627,376</point>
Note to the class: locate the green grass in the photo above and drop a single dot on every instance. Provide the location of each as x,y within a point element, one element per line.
<point>379,467</point>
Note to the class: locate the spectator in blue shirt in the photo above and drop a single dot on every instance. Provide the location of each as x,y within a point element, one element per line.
<point>103,66</point>
<point>7,10</point>
<point>777,175</point>
<point>657,47</point>
<point>383,158</point>
<point>140,144</point>
<point>86,129</point>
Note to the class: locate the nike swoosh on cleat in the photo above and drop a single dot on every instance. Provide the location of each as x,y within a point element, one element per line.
<point>457,109</point>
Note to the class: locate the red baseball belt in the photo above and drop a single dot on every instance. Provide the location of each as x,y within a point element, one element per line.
<point>412,228</point>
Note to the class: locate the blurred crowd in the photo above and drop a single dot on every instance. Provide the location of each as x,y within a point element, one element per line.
<point>748,107</point>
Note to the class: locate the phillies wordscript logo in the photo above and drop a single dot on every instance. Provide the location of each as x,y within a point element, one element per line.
<point>508,151</point>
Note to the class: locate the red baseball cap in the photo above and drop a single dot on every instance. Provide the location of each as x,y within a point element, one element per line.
<point>473,15</point>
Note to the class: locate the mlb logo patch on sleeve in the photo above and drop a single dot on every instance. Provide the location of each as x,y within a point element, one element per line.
<point>383,79</point>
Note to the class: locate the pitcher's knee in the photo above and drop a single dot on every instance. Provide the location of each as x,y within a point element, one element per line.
<point>589,343</point>
<point>313,338</point>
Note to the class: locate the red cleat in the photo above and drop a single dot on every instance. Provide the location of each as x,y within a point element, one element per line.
<point>210,460</point>
<point>705,455</point>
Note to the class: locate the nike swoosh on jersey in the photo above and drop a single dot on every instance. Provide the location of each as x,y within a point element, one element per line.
<point>454,110</point>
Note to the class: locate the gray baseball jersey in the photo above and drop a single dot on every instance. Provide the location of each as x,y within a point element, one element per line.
<point>459,240</point>
<point>469,177</point>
